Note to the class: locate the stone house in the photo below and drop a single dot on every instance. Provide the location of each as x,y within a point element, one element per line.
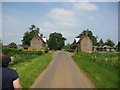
<point>84,44</point>
<point>38,42</point>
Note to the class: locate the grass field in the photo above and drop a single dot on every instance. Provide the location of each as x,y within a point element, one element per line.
<point>102,68</point>
<point>29,67</point>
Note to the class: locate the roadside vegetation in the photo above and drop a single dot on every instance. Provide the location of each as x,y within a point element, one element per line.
<point>29,67</point>
<point>28,63</point>
<point>102,68</point>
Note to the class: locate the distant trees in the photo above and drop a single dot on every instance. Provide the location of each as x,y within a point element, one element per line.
<point>1,44</point>
<point>12,45</point>
<point>118,46</point>
<point>28,35</point>
<point>56,41</point>
<point>110,43</point>
<point>100,43</point>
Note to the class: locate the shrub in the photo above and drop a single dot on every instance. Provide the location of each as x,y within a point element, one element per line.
<point>70,50</point>
<point>32,52</point>
<point>13,51</point>
<point>46,50</point>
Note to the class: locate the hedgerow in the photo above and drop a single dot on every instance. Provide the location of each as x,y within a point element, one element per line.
<point>14,51</point>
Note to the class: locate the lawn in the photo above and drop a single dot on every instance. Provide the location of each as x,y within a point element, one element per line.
<point>102,68</point>
<point>29,67</point>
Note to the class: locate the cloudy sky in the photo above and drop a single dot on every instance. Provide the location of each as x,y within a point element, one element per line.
<point>68,18</point>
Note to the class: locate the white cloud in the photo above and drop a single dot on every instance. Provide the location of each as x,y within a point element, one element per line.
<point>86,6</point>
<point>61,14</point>
<point>63,17</point>
<point>67,21</point>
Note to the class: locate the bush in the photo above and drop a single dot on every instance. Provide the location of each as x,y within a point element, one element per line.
<point>32,52</point>
<point>13,51</point>
<point>46,49</point>
<point>70,50</point>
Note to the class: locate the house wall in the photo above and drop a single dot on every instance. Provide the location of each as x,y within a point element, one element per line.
<point>86,45</point>
<point>36,44</point>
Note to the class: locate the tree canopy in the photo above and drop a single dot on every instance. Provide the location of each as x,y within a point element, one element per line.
<point>101,43</point>
<point>1,44</point>
<point>12,45</point>
<point>118,46</point>
<point>56,41</point>
<point>28,35</point>
<point>110,43</point>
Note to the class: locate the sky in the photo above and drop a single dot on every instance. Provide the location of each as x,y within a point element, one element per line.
<point>68,18</point>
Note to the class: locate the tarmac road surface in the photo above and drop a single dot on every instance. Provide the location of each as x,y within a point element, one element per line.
<point>62,72</point>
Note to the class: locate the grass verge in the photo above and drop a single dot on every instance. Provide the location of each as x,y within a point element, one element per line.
<point>102,75</point>
<point>29,67</point>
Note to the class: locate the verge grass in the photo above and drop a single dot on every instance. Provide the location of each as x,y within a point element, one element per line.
<point>102,75</point>
<point>29,67</point>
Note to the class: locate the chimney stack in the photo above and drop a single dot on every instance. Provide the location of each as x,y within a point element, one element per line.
<point>41,35</point>
<point>36,33</point>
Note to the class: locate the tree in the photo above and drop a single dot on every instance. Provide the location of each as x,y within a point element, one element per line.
<point>28,35</point>
<point>118,46</point>
<point>12,45</point>
<point>101,43</point>
<point>1,44</point>
<point>90,35</point>
<point>110,43</point>
<point>56,41</point>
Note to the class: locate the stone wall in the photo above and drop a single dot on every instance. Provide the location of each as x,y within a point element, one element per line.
<point>36,43</point>
<point>86,45</point>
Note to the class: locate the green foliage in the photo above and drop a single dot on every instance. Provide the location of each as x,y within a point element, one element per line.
<point>13,51</point>
<point>29,67</point>
<point>70,47</point>
<point>110,43</point>
<point>12,45</point>
<point>32,52</point>
<point>28,35</point>
<point>19,58</point>
<point>1,44</point>
<point>46,50</point>
<point>56,41</point>
<point>102,68</point>
<point>100,43</point>
<point>118,46</point>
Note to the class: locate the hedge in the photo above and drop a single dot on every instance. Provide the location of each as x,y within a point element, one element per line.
<point>13,51</point>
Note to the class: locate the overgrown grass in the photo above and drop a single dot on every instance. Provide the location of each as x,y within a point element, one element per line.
<point>29,67</point>
<point>102,68</point>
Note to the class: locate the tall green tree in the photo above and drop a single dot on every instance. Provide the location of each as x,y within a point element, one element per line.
<point>101,43</point>
<point>28,35</point>
<point>56,41</point>
<point>110,43</point>
<point>12,45</point>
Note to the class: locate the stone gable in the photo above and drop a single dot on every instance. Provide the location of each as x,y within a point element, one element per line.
<point>37,43</point>
<point>86,44</point>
